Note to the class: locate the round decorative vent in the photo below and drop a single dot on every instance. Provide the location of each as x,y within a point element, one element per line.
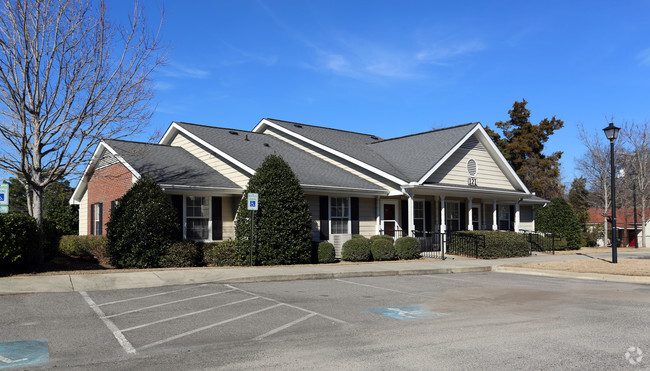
<point>472,167</point>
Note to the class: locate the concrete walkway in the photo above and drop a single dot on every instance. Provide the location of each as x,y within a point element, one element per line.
<point>164,277</point>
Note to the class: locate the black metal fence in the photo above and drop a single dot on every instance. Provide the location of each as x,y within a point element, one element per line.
<point>465,244</point>
<point>539,241</point>
<point>431,244</point>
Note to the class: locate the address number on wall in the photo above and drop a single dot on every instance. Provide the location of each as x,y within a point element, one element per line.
<point>471,181</point>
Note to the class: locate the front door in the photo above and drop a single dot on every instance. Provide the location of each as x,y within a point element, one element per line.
<point>388,221</point>
<point>476,218</point>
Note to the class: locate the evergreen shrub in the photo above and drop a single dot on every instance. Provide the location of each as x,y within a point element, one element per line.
<point>19,239</point>
<point>85,246</point>
<point>382,249</point>
<point>500,244</point>
<point>283,220</point>
<point>182,254</point>
<point>558,217</point>
<point>407,248</point>
<point>356,250</point>
<point>326,252</point>
<point>221,254</point>
<point>382,237</point>
<point>142,227</point>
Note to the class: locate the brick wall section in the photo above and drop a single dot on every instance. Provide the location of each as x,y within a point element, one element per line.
<point>105,185</point>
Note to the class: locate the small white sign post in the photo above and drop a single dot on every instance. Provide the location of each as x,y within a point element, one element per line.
<point>253,206</point>
<point>4,198</point>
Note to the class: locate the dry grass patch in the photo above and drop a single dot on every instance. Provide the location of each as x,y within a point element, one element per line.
<point>595,250</point>
<point>625,267</point>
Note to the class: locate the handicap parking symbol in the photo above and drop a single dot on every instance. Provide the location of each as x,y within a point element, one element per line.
<point>22,354</point>
<point>405,312</point>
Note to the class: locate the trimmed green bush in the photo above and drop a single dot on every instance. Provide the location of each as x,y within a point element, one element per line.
<point>221,254</point>
<point>85,246</point>
<point>382,237</point>
<point>407,248</point>
<point>499,244</point>
<point>326,253</point>
<point>182,254</point>
<point>558,217</point>
<point>283,220</point>
<point>356,250</point>
<point>142,227</point>
<point>19,239</point>
<point>382,249</point>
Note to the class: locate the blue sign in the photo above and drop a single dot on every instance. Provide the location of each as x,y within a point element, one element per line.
<point>4,194</point>
<point>21,354</point>
<point>405,312</point>
<point>253,203</point>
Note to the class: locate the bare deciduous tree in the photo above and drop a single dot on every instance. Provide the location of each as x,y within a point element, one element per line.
<point>595,167</point>
<point>68,78</point>
<point>636,138</point>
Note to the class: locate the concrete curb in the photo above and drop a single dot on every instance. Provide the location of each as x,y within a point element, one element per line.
<point>565,274</point>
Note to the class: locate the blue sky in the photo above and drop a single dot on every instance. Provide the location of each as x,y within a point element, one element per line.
<point>395,68</point>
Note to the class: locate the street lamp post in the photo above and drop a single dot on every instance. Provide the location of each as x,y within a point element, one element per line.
<point>611,132</point>
<point>636,236</point>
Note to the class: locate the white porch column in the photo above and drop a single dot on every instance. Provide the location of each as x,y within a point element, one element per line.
<point>377,215</point>
<point>411,213</point>
<point>443,220</point>
<point>495,226</point>
<point>436,212</point>
<point>517,217</point>
<point>470,226</point>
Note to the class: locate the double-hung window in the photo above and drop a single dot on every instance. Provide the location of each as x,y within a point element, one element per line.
<point>98,219</point>
<point>453,216</point>
<point>418,215</point>
<point>339,214</point>
<point>197,216</point>
<point>504,217</point>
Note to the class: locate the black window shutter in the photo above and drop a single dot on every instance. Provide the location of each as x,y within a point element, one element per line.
<point>354,213</point>
<point>324,218</point>
<point>112,205</point>
<point>463,217</point>
<point>427,216</point>
<point>217,219</point>
<point>405,218</point>
<point>101,221</point>
<point>512,218</point>
<point>177,203</point>
<point>92,219</point>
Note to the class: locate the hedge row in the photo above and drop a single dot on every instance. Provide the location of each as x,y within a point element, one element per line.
<point>85,246</point>
<point>499,244</point>
<point>380,248</point>
<point>18,239</point>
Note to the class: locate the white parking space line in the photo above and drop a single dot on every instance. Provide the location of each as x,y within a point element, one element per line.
<point>288,305</point>
<point>284,327</point>
<point>188,314</point>
<point>150,296</point>
<point>111,326</point>
<point>207,327</point>
<point>386,289</point>
<point>168,303</point>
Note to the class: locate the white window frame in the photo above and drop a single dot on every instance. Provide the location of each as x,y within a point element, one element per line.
<point>349,212</point>
<point>185,217</point>
<point>424,214</point>
<point>448,217</point>
<point>97,222</point>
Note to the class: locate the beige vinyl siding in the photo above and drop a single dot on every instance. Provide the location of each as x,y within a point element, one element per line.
<point>229,207</point>
<point>211,159</point>
<point>367,217</point>
<point>83,215</point>
<point>454,170</point>
<point>360,172</point>
<point>314,208</point>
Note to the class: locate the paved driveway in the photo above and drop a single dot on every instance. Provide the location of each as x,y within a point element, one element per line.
<point>459,321</point>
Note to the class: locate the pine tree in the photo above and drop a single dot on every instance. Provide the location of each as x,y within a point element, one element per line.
<point>579,199</point>
<point>522,145</point>
<point>282,233</point>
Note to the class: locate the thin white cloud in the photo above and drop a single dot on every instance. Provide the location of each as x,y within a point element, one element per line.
<point>173,69</point>
<point>443,54</point>
<point>644,57</point>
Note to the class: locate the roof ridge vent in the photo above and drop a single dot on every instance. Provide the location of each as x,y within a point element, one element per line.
<point>374,137</point>
<point>233,132</point>
<point>297,125</point>
<point>266,145</point>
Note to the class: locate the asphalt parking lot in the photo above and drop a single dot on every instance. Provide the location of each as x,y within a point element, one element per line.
<point>452,321</point>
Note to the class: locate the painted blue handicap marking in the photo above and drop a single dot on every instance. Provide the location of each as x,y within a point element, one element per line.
<point>405,312</point>
<point>24,353</point>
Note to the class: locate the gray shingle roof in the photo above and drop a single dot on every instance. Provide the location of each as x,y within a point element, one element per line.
<point>416,154</point>
<point>251,148</point>
<point>408,158</point>
<point>348,142</point>
<point>169,165</point>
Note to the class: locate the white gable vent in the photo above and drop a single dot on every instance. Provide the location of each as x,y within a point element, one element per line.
<point>472,167</point>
